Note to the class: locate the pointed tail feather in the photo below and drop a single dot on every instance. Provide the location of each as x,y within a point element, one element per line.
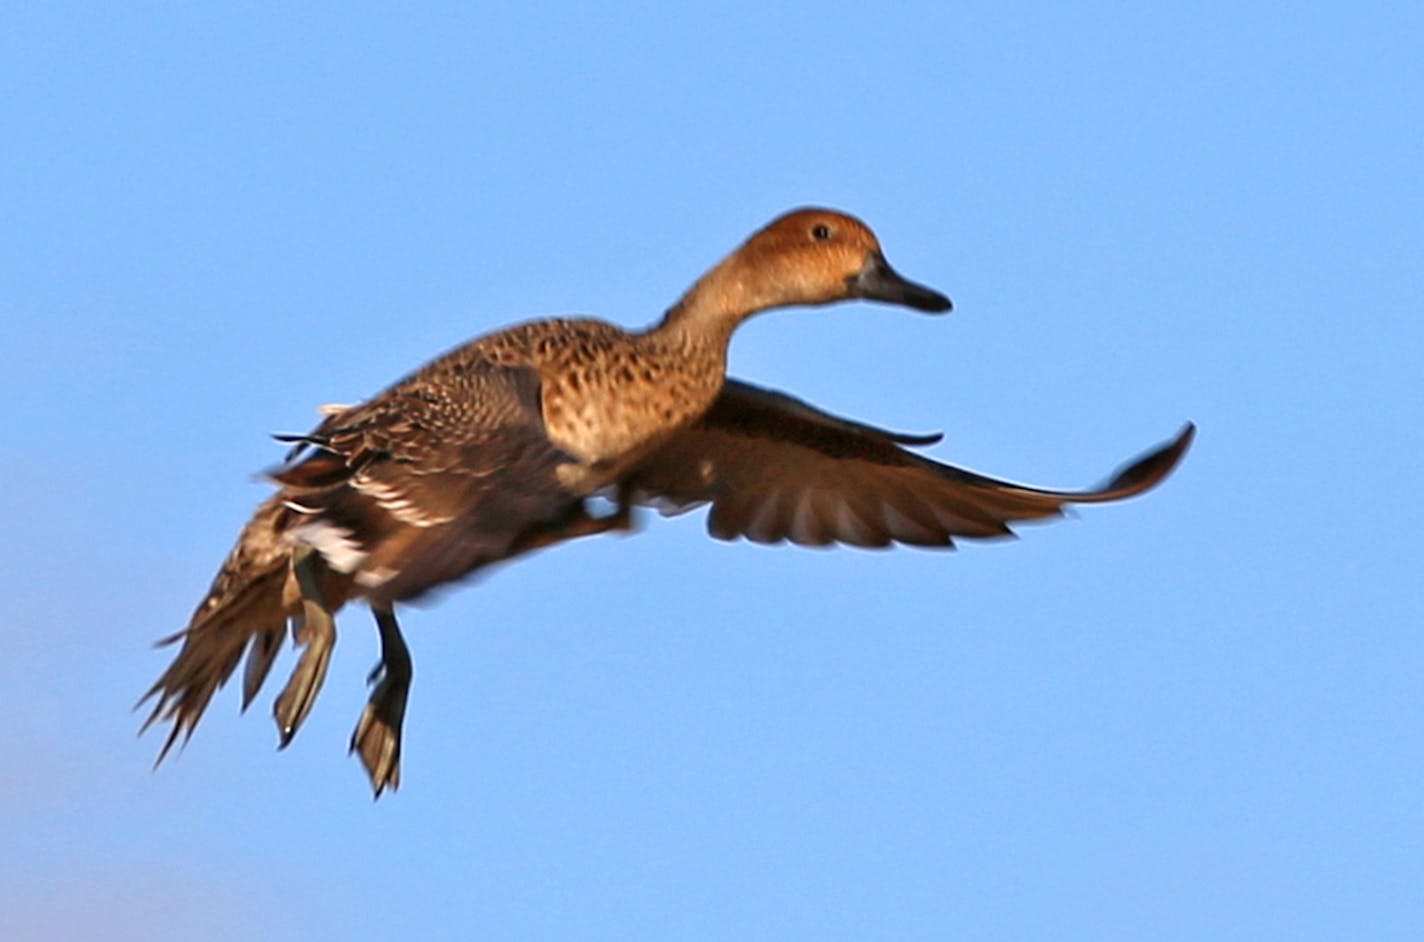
<point>245,605</point>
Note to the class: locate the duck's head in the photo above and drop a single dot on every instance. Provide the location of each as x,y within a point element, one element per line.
<point>819,256</point>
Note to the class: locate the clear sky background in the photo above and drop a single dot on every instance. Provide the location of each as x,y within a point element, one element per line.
<point>1193,716</point>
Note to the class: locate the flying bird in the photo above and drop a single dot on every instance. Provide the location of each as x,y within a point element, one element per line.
<point>501,446</point>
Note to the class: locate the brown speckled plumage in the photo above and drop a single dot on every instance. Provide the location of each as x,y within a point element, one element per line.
<point>491,451</point>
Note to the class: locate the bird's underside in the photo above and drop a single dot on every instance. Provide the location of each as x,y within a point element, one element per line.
<point>770,468</point>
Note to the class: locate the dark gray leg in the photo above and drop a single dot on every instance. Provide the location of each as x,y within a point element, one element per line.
<point>317,633</point>
<point>377,739</point>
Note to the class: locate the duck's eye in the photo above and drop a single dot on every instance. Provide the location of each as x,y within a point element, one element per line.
<point>821,232</point>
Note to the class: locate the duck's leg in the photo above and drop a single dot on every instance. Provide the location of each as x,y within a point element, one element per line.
<point>377,739</point>
<point>378,734</point>
<point>317,633</point>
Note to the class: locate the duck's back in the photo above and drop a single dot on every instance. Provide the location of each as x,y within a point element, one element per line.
<point>604,395</point>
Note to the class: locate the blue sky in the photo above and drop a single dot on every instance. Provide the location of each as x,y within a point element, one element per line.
<point>1191,716</point>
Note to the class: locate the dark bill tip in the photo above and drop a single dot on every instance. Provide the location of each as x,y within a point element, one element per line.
<point>877,281</point>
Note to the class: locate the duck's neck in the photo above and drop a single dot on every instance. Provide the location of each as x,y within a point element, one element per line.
<point>712,308</point>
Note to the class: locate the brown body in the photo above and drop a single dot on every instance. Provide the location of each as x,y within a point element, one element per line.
<point>492,450</point>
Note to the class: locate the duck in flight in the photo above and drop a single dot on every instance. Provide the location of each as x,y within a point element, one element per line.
<point>498,448</point>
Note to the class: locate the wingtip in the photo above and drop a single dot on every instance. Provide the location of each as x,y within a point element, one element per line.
<point>1179,445</point>
<point>1152,468</point>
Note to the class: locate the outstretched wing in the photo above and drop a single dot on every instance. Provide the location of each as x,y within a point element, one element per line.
<point>774,468</point>
<point>433,478</point>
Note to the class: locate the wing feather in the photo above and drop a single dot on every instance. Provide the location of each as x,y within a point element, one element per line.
<point>774,468</point>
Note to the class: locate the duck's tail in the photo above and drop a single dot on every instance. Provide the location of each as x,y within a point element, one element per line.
<point>248,602</point>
